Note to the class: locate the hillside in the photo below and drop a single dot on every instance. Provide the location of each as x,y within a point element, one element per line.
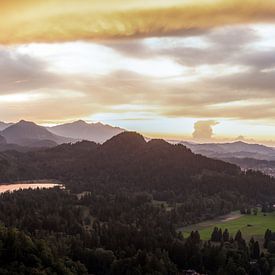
<point>125,156</point>
<point>128,161</point>
<point>2,140</point>
<point>81,130</point>
<point>4,125</point>
<point>127,191</point>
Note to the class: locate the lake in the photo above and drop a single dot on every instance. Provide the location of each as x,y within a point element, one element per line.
<point>33,185</point>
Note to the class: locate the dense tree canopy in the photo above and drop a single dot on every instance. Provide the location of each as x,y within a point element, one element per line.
<point>122,205</point>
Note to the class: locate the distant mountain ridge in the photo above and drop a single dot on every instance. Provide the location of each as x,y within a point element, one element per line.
<point>4,125</point>
<point>236,149</point>
<point>247,156</point>
<point>2,140</point>
<point>29,134</point>
<point>25,135</point>
<point>82,130</point>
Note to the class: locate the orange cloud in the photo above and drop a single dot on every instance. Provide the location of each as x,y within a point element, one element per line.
<point>69,20</point>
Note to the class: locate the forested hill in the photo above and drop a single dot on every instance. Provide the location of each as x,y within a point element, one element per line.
<point>140,193</point>
<point>126,157</point>
<point>128,161</point>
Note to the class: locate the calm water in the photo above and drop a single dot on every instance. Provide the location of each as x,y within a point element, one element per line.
<point>17,186</point>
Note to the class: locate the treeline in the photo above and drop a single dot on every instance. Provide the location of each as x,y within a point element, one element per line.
<point>103,233</point>
<point>170,173</point>
<point>123,233</point>
<point>23,254</point>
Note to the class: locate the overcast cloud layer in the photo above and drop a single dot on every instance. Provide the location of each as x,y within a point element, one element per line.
<point>209,69</point>
<point>69,20</point>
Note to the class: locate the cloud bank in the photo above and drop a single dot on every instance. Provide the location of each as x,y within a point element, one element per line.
<point>150,84</point>
<point>230,77</point>
<point>69,20</point>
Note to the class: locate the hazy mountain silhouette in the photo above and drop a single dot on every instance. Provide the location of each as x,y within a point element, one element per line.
<point>25,133</point>
<point>237,149</point>
<point>2,140</point>
<point>4,125</point>
<point>82,130</point>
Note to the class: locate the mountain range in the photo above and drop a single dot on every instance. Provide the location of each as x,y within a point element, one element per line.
<point>81,130</point>
<point>237,149</point>
<point>24,135</point>
<point>121,158</point>
<point>245,155</point>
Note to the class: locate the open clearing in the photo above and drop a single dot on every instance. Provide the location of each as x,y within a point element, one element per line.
<point>250,225</point>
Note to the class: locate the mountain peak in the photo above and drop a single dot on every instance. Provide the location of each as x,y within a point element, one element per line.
<point>125,141</point>
<point>158,142</point>
<point>98,123</point>
<point>81,130</point>
<point>27,133</point>
<point>128,136</point>
<point>239,142</point>
<point>23,122</point>
<point>80,122</point>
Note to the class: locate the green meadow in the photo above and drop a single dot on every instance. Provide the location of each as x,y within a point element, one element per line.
<point>250,225</point>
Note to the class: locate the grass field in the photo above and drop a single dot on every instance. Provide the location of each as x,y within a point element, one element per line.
<point>249,225</point>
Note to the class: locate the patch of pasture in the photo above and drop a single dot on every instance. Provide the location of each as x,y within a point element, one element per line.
<point>250,225</point>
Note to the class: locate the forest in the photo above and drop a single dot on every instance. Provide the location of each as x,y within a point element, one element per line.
<point>55,232</point>
<point>112,217</point>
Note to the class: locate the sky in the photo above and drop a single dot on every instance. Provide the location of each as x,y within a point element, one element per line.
<point>177,69</point>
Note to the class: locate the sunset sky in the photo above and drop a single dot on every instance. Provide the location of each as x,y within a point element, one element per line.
<point>176,69</point>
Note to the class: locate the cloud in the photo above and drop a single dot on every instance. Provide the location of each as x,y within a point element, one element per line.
<point>223,82</point>
<point>70,20</point>
<point>203,129</point>
<point>23,73</point>
<point>217,46</point>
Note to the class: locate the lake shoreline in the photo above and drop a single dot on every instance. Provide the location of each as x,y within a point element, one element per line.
<point>21,185</point>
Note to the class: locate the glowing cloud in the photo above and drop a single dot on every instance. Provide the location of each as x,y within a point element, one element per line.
<point>203,129</point>
<point>69,20</point>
